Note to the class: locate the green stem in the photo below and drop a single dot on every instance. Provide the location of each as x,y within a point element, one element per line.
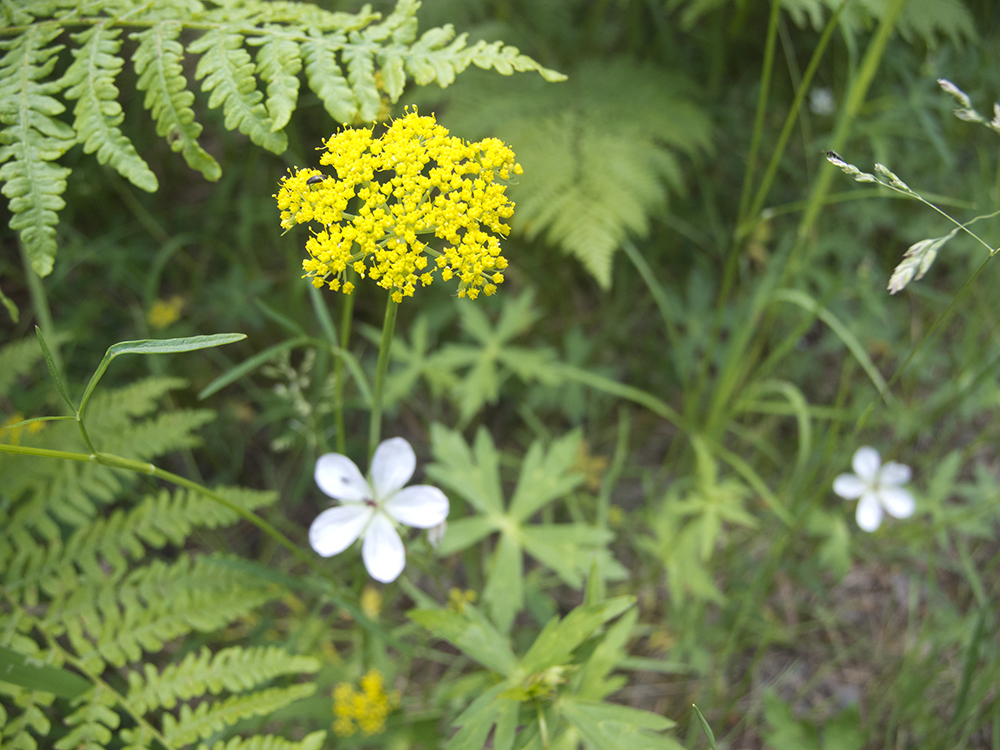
<point>388,329</point>
<point>338,374</point>
<point>40,303</point>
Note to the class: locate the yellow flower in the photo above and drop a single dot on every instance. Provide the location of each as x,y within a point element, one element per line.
<point>413,184</point>
<point>364,710</point>
<point>164,312</point>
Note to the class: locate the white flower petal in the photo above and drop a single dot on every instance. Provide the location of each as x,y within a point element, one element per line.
<point>866,463</point>
<point>897,502</point>
<point>849,486</point>
<point>392,466</point>
<point>335,529</point>
<point>340,478</point>
<point>894,473</point>
<point>435,534</point>
<point>869,513</point>
<point>382,550</point>
<point>421,506</point>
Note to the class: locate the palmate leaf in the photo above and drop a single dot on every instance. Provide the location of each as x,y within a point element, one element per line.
<point>546,476</point>
<point>32,140</point>
<point>91,82</point>
<point>600,152</point>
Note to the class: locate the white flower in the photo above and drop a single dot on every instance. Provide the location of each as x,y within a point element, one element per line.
<point>877,487</point>
<point>369,510</point>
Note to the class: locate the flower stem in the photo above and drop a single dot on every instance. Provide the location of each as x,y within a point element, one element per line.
<point>338,372</point>
<point>388,328</point>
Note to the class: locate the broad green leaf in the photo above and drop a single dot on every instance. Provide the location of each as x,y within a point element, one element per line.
<point>465,532</point>
<point>475,477</point>
<point>504,592</point>
<point>567,548</point>
<point>594,682</point>
<point>478,719</point>
<point>613,727</point>
<point>472,633</point>
<point>34,674</point>
<point>546,476</point>
<point>558,639</point>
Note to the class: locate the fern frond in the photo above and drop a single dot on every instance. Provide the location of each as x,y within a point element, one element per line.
<point>233,669</point>
<point>108,622</point>
<point>312,741</point>
<point>599,152</point>
<point>91,81</point>
<point>157,62</point>
<point>92,722</point>
<point>33,139</point>
<point>227,71</point>
<point>359,57</point>
<point>16,360</point>
<point>209,718</point>
<point>326,79</point>
<point>279,63</point>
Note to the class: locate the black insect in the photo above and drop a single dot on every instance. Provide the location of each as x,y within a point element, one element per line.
<point>316,179</point>
<point>833,155</point>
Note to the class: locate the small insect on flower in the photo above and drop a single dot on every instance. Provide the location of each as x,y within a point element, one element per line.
<point>316,179</point>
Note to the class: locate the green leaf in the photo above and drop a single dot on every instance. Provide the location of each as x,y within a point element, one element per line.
<point>559,639</point>
<point>478,719</point>
<point>472,633</point>
<point>546,476</point>
<point>465,532</point>
<point>612,727</point>
<point>327,80</point>
<point>53,370</point>
<point>33,674</point>
<point>158,62</point>
<point>504,591</point>
<point>32,140</point>
<point>228,71</point>
<point>91,81</point>
<point>705,728</point>
<point>474,476</point>
<point>609,653</point>
<point>358,56</point>
<point>156,346</point>
<point>279,62</point>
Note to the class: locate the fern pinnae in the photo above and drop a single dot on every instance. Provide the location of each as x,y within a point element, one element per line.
<point>278,64</point>
<point>326,78</point>
<point>313,741</point>
<point>33,139</point>
<point>157,62</point>
<point>90,80</point>
<point>358,55</point>
<point>226,72</point>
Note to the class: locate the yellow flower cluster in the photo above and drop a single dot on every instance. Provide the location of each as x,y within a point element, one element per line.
<point>391,194</point>
<point>365,710</point>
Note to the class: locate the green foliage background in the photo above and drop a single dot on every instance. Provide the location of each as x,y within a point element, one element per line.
<point>638,435</point>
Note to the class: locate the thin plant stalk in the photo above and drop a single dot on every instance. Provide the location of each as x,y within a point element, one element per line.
<point>40,303</point>
<point>338,374</point>
<point>384,351</point>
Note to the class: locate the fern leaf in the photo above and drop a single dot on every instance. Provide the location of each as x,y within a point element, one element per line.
<point>157,62</point>
<point>327,80</point>
<point>359,57</point>
<point>312,741</point>
<point>599,153</point>
<point>92,721</point>
<point>114,623</point>
<point>279,64</point>
<point>32,140</point>
<point>227,71</point>
<point>91,82</point>
<point>234,669</point>
<point>209,718</point>
<point>17,360</point>
<point>430,60</point>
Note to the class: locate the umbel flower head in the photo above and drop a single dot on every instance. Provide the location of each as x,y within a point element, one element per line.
<point>876,487</point>
<point>371,510</point>
<point>414,183</point>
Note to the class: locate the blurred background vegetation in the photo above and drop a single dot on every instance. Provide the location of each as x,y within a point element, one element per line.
<point>789,633</point>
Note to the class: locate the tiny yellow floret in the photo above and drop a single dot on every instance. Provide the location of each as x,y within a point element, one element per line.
<point>381,200</point>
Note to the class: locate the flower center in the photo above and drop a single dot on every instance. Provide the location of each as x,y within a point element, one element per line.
<point>370,503</point>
